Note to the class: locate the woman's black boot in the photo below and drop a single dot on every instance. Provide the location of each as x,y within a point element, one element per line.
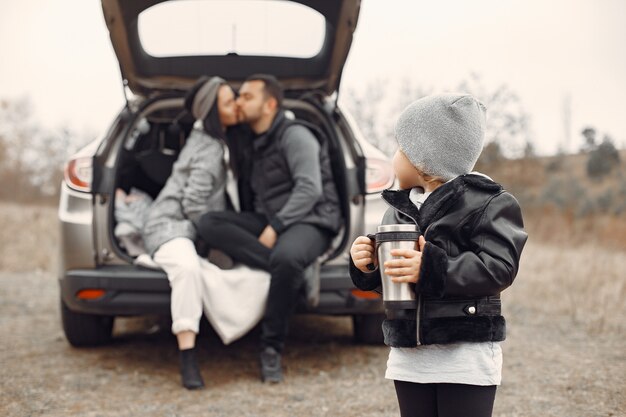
<point>189,370</point>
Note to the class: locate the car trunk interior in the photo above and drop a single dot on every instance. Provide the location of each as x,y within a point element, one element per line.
<point>158,133</point>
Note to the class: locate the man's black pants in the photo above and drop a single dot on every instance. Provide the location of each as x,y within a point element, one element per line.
<point>236,234</point>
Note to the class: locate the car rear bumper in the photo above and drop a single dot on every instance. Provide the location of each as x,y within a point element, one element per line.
<point>131,290</point>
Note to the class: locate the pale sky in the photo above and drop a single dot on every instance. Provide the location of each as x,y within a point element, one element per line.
<point>57,52</point>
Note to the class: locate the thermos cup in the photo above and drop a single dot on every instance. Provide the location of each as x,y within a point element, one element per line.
<point>395,236</point>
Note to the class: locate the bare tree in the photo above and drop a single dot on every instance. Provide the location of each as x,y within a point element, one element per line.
<point>603,158</point>
<point>377,105</point>
<point>365,107</point>
<point>508,124</point>
<point>16,132</point>
<point>32,157</point>
<point>529,150</point>
<point>589,133</point>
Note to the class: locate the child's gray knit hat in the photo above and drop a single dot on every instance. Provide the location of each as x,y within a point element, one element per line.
<point>442,134</point>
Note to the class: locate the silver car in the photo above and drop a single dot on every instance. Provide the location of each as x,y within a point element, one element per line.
<point>98,279</point>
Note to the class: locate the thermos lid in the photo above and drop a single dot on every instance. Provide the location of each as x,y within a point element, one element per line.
<point>397,228</point>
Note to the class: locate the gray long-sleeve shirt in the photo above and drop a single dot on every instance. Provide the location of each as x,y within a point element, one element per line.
<point>292,178</point>
<point>302,154</point>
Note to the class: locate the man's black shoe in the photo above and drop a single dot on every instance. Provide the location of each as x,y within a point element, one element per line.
<point>271,369</point>
<point>220,259</point>
<point>189,370</point>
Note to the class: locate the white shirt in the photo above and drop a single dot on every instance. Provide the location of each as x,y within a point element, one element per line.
<point>458,363</point>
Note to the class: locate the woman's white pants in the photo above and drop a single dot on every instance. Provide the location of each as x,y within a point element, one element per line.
<point>233,300</point>
<point>181,263</point>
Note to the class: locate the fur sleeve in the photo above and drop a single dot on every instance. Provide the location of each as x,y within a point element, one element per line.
<point>364,281</point>
<point>433,271</point>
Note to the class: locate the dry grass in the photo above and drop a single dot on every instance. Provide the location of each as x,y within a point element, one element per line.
<point>556,193</point>
<point>30,237</point>
<point>564,354</point>
<point>585,283</point>
<point>564,229</point>
<point>565,270</point>
<point>535,173</point>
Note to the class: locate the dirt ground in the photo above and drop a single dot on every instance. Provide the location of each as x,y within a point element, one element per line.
<point>552,367</point>
<point>565,354</point>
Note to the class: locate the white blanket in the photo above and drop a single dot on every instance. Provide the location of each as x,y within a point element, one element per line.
<point>234,299</point>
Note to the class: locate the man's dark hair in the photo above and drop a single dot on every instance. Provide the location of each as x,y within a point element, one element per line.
<point>271,88</point>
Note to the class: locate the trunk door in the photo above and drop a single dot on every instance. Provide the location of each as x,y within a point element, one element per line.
<point>164,45</point>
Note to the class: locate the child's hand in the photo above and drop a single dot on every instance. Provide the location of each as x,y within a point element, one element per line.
<point>407,268</point>
<point>363,253</point>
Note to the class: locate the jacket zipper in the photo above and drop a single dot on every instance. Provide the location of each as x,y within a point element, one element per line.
<point>417,320</point>
<point>418,310</point>
<point>397,209</point>
<point>419,305</point>
<point>419,296</point>
<point>426,231</point>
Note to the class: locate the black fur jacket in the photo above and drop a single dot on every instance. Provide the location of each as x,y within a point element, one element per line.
<point>474,239</point>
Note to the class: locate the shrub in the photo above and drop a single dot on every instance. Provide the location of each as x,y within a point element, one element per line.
<point>603,159</point>
<point>555,164</point>
<point>491,155</point>
<point>605,200</point>
<point>587,207</point>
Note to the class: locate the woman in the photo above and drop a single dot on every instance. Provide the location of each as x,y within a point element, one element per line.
<point>197,185</point>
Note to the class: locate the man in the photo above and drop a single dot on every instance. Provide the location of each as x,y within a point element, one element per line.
<point>294,215</point>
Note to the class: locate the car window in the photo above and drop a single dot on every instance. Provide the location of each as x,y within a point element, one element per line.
<point>220,27</point>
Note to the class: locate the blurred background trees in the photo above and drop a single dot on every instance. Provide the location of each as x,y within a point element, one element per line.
<point>590,182</point>
<point>32,157</point>
<point>603,156</point>
<point>508,133</point>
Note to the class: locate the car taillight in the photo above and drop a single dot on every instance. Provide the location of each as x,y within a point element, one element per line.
<point>378,175</point>
<point>78,173</point>
<point>90,294</point>
<point>368,295</point>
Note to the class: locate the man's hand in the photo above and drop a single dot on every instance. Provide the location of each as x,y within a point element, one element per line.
<point>407,268</point>
<point>268,237</point>
<point>363,253</point>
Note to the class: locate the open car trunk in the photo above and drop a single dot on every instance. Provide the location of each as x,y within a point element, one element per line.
<point>146,71</point>
<point>154,141</point>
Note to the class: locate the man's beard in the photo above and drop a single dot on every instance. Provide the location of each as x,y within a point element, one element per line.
<point>244,118</point>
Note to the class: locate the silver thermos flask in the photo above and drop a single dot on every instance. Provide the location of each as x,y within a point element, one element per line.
<point>396,296</point>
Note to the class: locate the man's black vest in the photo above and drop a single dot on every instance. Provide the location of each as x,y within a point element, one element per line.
<point>271,179</point>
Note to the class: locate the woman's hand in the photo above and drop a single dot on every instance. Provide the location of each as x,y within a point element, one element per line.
<point>406,268</point>
<point>363,253</point>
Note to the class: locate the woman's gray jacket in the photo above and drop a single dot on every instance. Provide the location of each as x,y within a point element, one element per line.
<point>195,186</point>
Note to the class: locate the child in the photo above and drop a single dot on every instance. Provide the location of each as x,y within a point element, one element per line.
<point>445,356</point>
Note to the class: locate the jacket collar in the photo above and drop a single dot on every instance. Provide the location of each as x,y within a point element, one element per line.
<point>440,201</point>
<point>399,200</point>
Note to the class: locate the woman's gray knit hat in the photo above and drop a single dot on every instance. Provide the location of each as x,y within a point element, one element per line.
<point>204,95</point>
<point>442,134</point>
